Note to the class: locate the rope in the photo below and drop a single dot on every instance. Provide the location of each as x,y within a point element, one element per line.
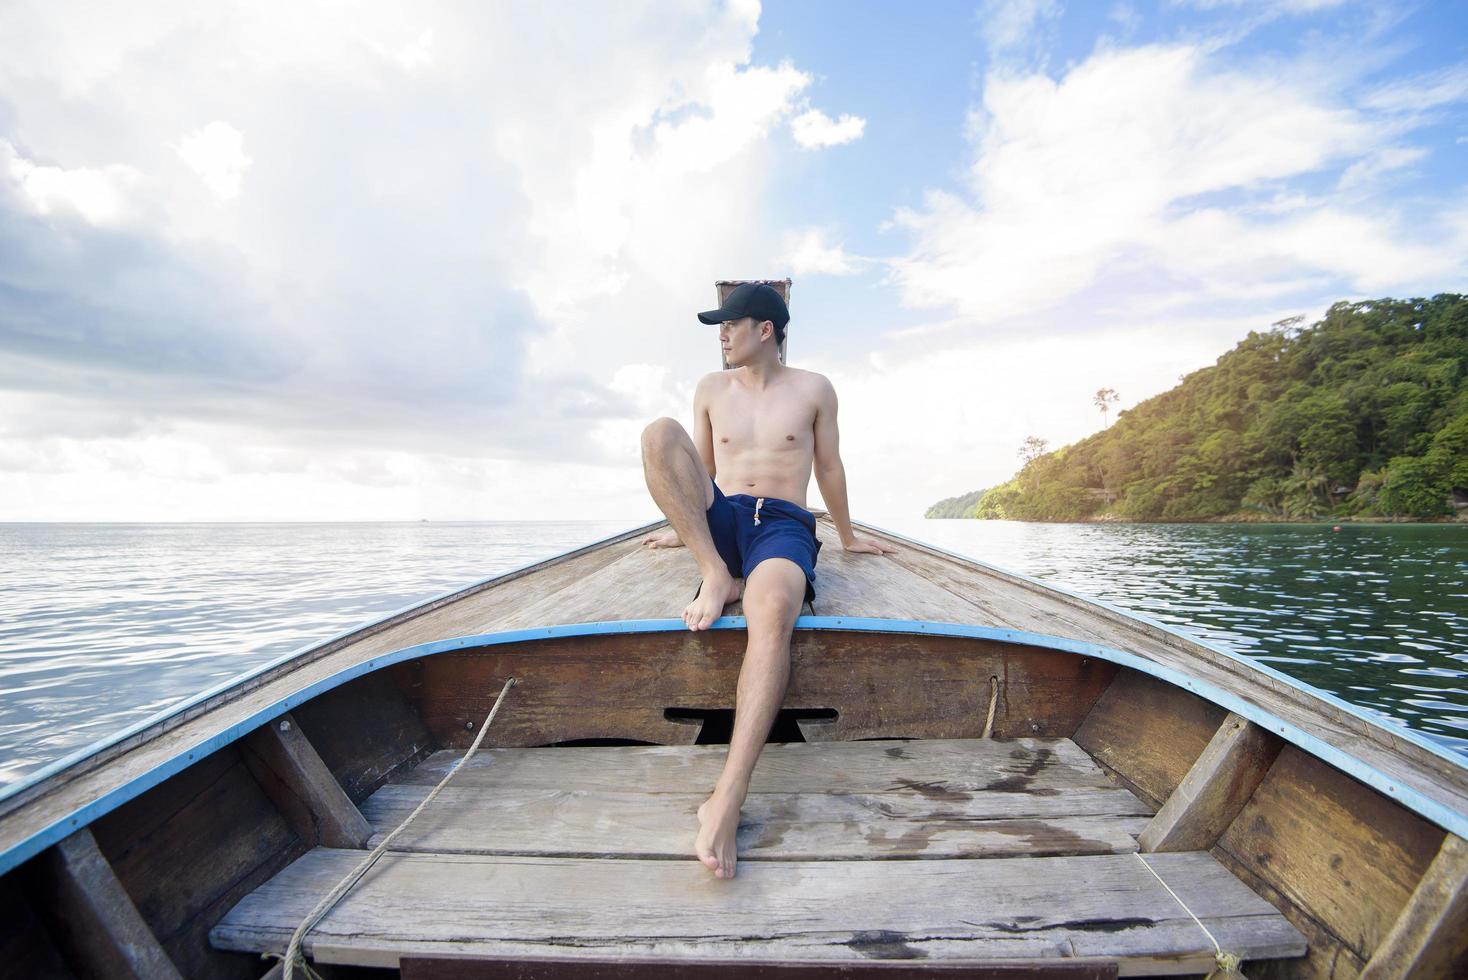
<point>1226,965</point>
<point>993,703</point>
<point>293,954</point>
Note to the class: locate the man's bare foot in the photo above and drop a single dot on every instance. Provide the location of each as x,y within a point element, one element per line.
<point>666,538</point>
<point>716,592</point>
<point>718,820</point>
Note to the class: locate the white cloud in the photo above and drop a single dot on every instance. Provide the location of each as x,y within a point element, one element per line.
<point>1007,25</point>
<point>1126,164</point>
<point>1287,6</point>
<point>1383,161</point>
<point>216,153</point>
<point>814,129</point>
<point>426,265</point>
<point>411,57</point>
<point>807,252</point>
<point>1421,93</point>
<point>101,195</point>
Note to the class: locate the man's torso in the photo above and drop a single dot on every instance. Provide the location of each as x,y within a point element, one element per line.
<point>764,440</point>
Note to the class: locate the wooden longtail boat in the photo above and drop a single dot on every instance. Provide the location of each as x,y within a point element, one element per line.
<point>974,774</point>
<point>883,829</point>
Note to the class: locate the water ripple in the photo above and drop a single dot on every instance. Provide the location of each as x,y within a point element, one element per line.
<point>101,625</point>
<point>1350,612</point>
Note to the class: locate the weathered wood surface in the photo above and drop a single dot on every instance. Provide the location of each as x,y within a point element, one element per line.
<point>1009,600</point>
<point>1215,788</point>
<point>100,931</point>
<point>27,949</point>
<point>619,685</point>
<point>1332,849</point>
<point>361,756</point>
<point>1327,957</point>
<point>476,609</point>
<point>1105,906</point>
<point>1149,733</point>
<point>1430,937</point>
<point>557,968</point>
<point>1042,766</point>
<point>188,849</point>
<point>288,768</point>
<point>848,585</point>
<point>832,801</point>
<point>773,826</point>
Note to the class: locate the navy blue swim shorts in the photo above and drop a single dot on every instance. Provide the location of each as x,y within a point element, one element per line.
<point>747,530</point>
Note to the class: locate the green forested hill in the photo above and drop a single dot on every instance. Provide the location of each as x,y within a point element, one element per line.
<point>1364,413</point>
<point>955,506</point>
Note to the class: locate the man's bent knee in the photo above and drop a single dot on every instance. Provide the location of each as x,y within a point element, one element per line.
<point>662,435</point>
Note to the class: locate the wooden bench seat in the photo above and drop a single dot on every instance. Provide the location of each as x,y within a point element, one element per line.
<point>850,851</point>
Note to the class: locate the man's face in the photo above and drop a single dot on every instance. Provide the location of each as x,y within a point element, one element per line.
<point>740,339</point>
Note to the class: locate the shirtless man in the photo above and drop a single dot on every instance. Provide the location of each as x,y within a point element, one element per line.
<point>760,427</point>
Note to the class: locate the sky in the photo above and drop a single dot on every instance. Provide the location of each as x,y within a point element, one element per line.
<point>278,261</point>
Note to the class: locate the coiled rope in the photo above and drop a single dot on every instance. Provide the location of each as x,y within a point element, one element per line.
<point>293,953</point>
<point>1225,965</point>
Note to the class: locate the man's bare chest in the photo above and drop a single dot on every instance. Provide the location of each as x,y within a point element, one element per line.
<point>744,420</point>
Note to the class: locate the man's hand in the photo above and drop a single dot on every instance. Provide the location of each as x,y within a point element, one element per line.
<point>666,538</point>
<point>867,546</point>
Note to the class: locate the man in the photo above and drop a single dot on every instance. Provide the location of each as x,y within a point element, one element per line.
<point>760,428</point>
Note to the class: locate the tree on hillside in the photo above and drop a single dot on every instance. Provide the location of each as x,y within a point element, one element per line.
<point>1364,412</point>
<point>1104,399</point>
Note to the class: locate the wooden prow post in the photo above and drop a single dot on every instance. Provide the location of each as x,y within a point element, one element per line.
<point>782,286</point>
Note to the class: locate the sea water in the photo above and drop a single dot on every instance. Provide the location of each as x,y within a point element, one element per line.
<point>102,625</point>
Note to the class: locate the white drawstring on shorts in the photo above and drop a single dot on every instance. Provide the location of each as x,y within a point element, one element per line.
<point>757,505</point>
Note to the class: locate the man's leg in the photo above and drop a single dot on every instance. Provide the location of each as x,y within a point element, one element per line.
<point>772,597</point>
<point>680,485</point>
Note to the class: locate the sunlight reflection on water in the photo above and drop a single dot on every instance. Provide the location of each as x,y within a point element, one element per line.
<point>102,625</point>
<point>1374,613</point>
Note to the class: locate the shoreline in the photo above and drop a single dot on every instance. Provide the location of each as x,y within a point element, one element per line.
<point>1461,518</point>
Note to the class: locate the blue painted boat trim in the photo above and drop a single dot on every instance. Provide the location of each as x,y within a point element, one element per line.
<point>1382,722</point>
<point>180,707</point>
<point>1455,822</point>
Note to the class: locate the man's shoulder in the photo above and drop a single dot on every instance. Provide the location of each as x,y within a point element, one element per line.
<point>713,380</point>
<point>813,380</point>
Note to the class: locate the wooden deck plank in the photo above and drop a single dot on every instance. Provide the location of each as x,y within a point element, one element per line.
<point>773,826</point>
<point>560,968</point>
<point>846,585</point>
<point>1105,907</point>
<point>965,765</point>
<point>826,801</point>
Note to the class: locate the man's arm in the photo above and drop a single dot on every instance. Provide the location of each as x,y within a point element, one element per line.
<point>831,474</point>
<point>703,427</point>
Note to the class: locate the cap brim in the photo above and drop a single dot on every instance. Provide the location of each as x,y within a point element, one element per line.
<point>718,316</point>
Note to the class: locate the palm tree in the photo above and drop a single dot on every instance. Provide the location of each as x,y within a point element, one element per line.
<point>1104,399</point>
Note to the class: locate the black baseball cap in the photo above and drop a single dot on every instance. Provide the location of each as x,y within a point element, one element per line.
<point>754,299</point>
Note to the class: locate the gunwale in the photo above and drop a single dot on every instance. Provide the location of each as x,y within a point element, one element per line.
<point>71,793</point>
